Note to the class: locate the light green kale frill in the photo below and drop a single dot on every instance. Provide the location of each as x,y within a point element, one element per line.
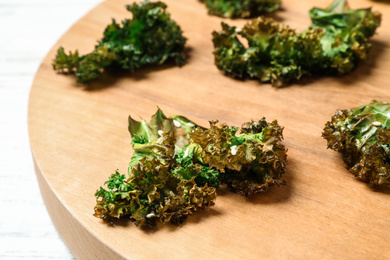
<point>240,8</point>
<point>177,166</point>
<point>362,137</point>
<point>334,44</point>
<point>150,37</point>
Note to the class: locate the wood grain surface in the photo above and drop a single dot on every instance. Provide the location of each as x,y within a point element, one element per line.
<point>79,137</point>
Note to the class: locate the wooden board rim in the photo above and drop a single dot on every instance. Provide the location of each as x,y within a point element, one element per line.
<point>94,245</point>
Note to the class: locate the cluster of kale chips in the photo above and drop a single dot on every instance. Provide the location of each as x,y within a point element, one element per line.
<point>362,136</point>
<point>335,43</point>
<point>240,8</point>
<point>177,166</point>
<point>150,37</point>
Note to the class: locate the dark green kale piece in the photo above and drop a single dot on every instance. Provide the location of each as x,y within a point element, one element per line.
<point>276,53</point>
<point>177,166</point>
<point>362,136</point>
<point>240,8</point>
<point>335,43</point>
<point>150,37</point>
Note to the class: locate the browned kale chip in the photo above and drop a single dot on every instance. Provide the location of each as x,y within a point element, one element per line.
<point>177,166</point>
<point>335,43</point>
<point>362,136</point>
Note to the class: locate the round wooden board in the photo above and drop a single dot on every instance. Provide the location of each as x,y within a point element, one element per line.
<point>79,137</point>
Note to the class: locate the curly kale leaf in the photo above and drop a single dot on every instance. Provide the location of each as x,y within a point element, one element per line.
<point>151,193</point>
<point>275,54</point>
<point>190,164</point>
<point>362,136</point>
<point>248,162</point>
<point>160,137</point>
<point>177,166</point>
<point>240,8</point>
<point>335,43</point>
<point>345,42</point>
<point>150,37</point>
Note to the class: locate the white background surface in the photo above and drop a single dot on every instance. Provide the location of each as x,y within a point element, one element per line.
<point>28,30</point>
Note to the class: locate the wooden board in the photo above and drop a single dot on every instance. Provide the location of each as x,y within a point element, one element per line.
<point>79,137</point>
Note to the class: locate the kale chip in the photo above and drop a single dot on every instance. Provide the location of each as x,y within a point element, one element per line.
<point>240,8</point>
<point>335,43</point>
<point>150,37</point>
<point>362,137</point>
<point>177,166</point>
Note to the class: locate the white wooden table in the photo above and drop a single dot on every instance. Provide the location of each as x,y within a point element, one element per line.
<point>28,29</point>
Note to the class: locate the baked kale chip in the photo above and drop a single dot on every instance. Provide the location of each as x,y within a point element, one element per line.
<point>240,8</point>
<point>362,136</point>
<point>177,166</point>
<point>150,37</point>
<point>334,44</point>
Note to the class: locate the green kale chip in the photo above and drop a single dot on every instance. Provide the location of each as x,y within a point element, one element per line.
<point>150,37</point>
<point>151,193</point>
<point>362,136</point>
<point>248,162</point>
<point>177,166</point>
<point>240,8</point>
<point>335,43</point>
